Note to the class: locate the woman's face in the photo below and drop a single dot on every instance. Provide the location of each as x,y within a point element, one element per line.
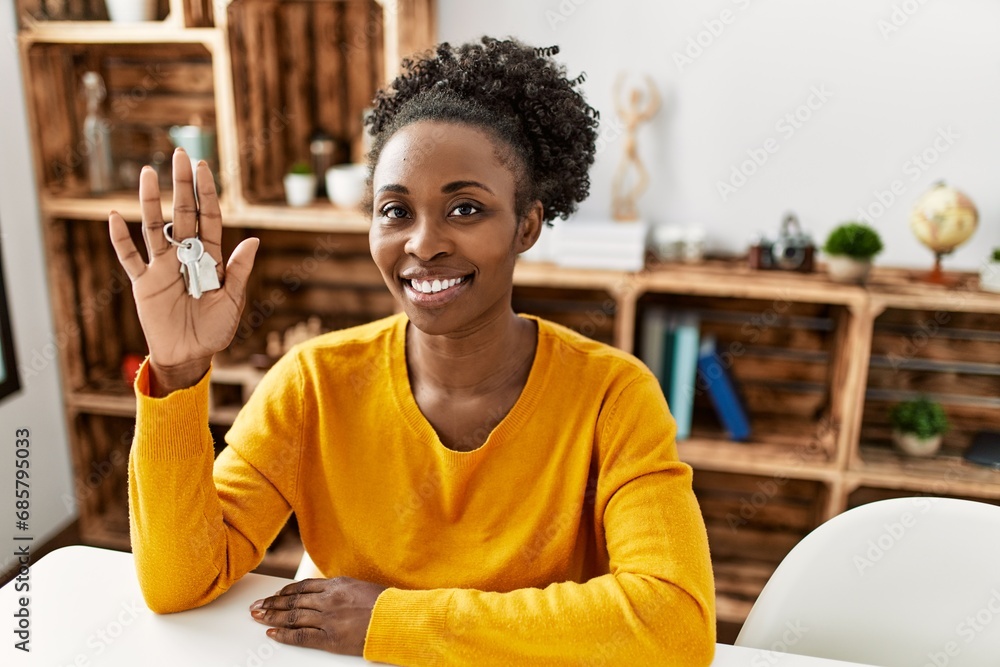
<point>444,231</point>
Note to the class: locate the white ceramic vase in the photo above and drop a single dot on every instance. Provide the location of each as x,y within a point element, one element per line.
<point>132,11</point>
<point>912,445</point>
<point>300,189</point>
<point>844,269</point>
<point>989,277</point>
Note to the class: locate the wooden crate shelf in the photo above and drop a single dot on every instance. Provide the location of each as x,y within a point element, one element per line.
<point>753,522</point>
<point>42,16</point>
<point>150,88</point>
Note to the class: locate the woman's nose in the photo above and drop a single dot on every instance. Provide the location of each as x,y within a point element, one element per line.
<point>428,239</point>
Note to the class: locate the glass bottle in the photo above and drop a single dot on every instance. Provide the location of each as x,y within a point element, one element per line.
<point>97,135</point>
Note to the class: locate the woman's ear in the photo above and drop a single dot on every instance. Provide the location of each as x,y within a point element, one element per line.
<point>529,227</point>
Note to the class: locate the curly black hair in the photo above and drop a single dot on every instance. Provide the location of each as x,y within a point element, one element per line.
<point>516,92</point>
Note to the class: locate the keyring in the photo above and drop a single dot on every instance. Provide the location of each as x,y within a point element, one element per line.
<point>167,233</point>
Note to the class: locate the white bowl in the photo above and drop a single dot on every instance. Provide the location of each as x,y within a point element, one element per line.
<point>345,184</point>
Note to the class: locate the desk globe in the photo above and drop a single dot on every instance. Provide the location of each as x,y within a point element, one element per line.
<point>942,219</point>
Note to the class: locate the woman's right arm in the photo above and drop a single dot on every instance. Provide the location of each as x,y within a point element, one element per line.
<point>196,524</point>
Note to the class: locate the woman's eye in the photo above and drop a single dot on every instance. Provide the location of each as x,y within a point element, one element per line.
<point>464,209</point>
<point>394,212</point>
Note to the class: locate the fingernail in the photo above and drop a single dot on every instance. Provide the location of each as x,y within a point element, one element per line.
<point>180,149</point>
<point>257,605</point>
<point>257,613</point>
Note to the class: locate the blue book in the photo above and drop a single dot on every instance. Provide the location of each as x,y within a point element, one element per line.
<point>683,372</point>
<point>722,391</point>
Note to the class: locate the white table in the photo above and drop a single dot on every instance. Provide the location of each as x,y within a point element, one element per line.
<point>86,609</point>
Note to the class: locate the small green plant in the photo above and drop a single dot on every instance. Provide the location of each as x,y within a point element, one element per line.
<point>922,417</point>
<point>996,254</point>
<point>855,240</point>
<point>301,167</point>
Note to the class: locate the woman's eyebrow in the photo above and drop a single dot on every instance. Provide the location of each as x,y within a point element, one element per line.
<point>455,186</point>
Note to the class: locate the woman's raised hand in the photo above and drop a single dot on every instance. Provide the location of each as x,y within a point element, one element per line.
<point>182,333</point>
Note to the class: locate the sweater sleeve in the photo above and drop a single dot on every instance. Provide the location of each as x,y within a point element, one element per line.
<point>656,605</point>
<point>199,523</point>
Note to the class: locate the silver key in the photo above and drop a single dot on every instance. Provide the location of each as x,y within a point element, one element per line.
<point>189,252</point>
<point>208,277</point>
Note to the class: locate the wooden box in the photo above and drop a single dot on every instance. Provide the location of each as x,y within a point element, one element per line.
<point>150,87</point>
<point>753,522</point>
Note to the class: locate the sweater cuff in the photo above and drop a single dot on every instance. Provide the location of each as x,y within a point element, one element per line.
<point>408,627</point>
<point>173,427</point>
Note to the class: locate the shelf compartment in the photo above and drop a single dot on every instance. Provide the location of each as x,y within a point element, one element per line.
<point>151,87</point>
<point>939,475</point>
<point>98,324</point>
<point>51,17</point>
<point>300,275</point>
<point>300,67</point>
<point>950,356</point>
<point>591,313</point>
<point>753,521</point>
<point>783,356</point>
<point>100,477</point>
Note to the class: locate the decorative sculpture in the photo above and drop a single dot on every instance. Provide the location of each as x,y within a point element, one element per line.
<point>631,178</point>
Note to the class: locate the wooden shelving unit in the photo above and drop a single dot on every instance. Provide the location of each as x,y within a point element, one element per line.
<point>819,362</point>
<point>229,65</point>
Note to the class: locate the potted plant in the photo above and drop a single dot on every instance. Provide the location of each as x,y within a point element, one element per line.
<point>989,273</point>
<point>918,426</point>
<point>300,185</point>
<point>849,251</point>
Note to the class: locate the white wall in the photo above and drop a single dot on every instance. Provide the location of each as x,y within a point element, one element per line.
<point>38,406</point>
<point>890,93</point>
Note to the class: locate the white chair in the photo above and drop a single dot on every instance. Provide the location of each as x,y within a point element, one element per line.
<point>307,569</point>
<point>907,581</point>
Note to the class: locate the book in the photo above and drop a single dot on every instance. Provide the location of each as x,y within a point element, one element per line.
<point>658,344</point>
<point>715,377</point>
<point>683,371</point>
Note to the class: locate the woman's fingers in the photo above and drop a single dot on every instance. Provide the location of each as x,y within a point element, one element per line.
<point>152,214</point>
<point>209,213</point>
<point>128,256</point>
<point>238,269</point>
<point>185,209</point>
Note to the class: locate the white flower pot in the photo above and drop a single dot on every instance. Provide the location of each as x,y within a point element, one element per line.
<point>132,11</point>
<point>843,269</point>
<point>300,189</point>
<point>989,277</point>
<point>345,184</point>
<point>910,444</point>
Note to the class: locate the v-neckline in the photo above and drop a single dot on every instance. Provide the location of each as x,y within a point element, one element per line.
<point>511,422</point>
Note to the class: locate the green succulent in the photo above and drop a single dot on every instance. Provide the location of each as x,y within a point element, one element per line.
<point>301,167</point>
<point>855,240</point>
<point>922,417</point>
<point>996,254</point>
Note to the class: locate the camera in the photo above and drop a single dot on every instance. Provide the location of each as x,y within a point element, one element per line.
<point>792,250</point>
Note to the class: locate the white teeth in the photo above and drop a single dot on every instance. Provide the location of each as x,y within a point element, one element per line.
<point>428,287</point>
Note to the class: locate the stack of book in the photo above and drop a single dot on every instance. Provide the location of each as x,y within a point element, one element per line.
<point>686,364</point>
<point>599,244</point>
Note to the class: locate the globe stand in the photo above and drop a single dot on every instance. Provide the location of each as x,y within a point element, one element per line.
<point>936,275</point>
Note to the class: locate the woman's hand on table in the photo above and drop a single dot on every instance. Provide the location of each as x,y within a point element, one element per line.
<point>327,614</point>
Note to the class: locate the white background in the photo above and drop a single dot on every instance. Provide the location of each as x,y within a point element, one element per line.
<point>889,96</point>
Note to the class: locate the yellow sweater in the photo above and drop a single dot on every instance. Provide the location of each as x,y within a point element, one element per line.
<point>571,536</point>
